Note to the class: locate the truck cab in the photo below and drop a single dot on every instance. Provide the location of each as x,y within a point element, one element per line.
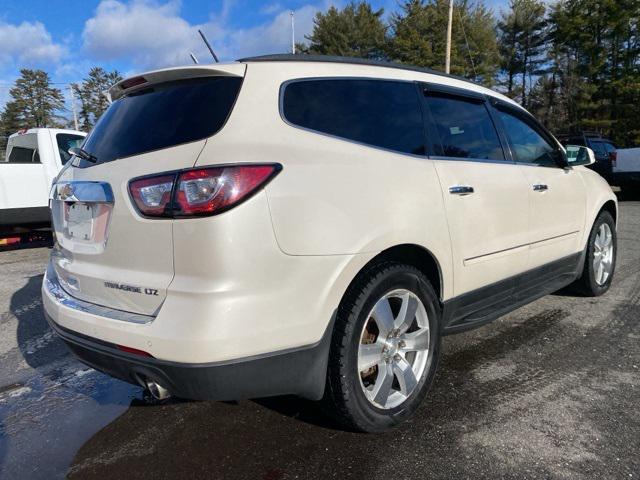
<point>33,159</point>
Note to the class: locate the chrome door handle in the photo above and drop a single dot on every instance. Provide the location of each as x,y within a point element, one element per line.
<point>540,187</point>
<point>461,190</point>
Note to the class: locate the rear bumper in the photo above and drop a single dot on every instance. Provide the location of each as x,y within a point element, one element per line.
<point>299,372</point>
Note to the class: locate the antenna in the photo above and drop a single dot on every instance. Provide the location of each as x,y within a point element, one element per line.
<point>206,42</point>
<point>193,57</point>
<point>293,33</point>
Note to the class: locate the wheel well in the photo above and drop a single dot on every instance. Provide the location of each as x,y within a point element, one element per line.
<point>610,206</point>
<point>417,256</point>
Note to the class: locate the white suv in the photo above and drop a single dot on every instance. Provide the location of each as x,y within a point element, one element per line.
<point>312,226</point>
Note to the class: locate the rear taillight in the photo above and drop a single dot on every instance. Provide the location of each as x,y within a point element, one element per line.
<point>152,195</point>
<point>613,156</point>
<point>199,192</point>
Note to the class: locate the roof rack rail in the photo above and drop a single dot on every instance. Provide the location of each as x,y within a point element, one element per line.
<point>290,57</point>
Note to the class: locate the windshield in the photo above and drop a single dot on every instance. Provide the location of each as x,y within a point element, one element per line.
<point>162,116</point>
<point>66,141</point>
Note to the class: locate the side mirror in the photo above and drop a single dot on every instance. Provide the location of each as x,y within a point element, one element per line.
<point>578,155</point>
<point>74,151</point>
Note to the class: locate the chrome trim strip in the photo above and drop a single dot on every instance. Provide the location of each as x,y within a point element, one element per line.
<point>88,192</point>
<point>53,287</point>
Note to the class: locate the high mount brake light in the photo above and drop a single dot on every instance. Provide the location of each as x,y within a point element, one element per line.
<point>199,192</point>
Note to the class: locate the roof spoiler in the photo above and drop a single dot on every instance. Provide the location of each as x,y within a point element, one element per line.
<point>167,75</point>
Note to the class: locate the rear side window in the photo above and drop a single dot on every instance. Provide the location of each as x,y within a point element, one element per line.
<point>163,116</point>
<point>379,113</point>
<point>66,141</point>
<point>465,128</point>
<point>23,155</point>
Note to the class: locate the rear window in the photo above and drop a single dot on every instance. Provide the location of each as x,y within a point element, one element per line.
<point>23,155</point>
<point>163,116</point>
<point>379,113</point>
<point>66,141</point>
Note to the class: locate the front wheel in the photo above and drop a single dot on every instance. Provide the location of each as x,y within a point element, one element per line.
<point>385,348</point>
<point>600,259</point>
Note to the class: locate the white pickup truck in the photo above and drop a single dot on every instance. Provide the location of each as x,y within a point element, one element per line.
<point>626,171</point>
<point>33,158</point>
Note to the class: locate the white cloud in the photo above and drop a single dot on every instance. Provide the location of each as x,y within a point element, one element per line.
<point>28,44</point>
<point>145,33</point>
<point>148,34</point>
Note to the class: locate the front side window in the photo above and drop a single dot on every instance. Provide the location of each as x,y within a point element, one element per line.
<point>465,128</point>
<point>66,141</point>
<point>379,113</point>
<point>527,145</point>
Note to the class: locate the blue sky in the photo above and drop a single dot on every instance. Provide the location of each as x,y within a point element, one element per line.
<point>67,37</point>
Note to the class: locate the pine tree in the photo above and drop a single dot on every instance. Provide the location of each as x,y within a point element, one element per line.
<point>355,31</point>
<point>34,102</point>
<point>419,38</point>
<point>91,92</point>
<point>522,41</point>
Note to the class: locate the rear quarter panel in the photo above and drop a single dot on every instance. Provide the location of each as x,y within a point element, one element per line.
<point>333,197</point>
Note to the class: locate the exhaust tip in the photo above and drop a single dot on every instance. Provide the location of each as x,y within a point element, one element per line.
<point>157,391</point>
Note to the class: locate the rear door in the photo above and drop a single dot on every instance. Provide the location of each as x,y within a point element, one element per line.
<point>557,194</point>
<point>107,252</point>
<point>485,195</point>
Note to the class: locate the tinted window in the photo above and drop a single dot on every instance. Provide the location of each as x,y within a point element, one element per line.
<point>22,155</point>
<point>465,128</point>
<point>163,116</point>
<point>66,141</point>
<point>376,112</point>
<point>527,145</point>
<point>598,148</point>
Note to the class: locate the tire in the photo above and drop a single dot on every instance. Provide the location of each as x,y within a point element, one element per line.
<point>357,399</point>
<point>591,283</point>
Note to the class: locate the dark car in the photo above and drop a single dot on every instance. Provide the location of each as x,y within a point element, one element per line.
<point>603,148</point>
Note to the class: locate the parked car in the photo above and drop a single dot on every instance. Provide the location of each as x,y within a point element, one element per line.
<point>603,148</point>
<point>626,173</point>
<point>312,226</point>
<point>33,158</point>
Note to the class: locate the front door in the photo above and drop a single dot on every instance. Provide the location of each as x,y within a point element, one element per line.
<point>557,195</point>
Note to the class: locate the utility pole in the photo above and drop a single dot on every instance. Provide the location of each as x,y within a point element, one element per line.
<point>293,33</point>
<point>73,107</point>
<point>447,59</point>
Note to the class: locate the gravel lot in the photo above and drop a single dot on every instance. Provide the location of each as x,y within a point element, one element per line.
<point>549,391</point>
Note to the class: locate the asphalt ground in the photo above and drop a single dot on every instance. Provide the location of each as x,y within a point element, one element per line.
<point>549,391</point>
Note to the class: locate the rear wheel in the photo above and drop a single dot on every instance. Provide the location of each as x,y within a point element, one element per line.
<point>600,260</point>
<point>385,348</point>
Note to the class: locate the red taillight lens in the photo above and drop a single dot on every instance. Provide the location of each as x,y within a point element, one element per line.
<point>208,191</point>
<point>199,192</point>
<point>614,158</point>
<point>152,195</point>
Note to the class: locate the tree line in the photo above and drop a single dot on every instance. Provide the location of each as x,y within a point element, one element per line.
<point>575,64</point>
<point>34,101</point>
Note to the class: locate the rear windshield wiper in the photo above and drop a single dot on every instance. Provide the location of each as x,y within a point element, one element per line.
<point>83,154</point>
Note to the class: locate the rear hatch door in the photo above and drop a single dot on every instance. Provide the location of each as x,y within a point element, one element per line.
<point>107,253</point>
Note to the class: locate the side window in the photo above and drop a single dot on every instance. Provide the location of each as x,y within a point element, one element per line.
<point>598,148</point>
<point>380,113</point>
<point>527,145</point>
<point>465,128</point>
<point>22,155</point>
<point>66,141</point>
